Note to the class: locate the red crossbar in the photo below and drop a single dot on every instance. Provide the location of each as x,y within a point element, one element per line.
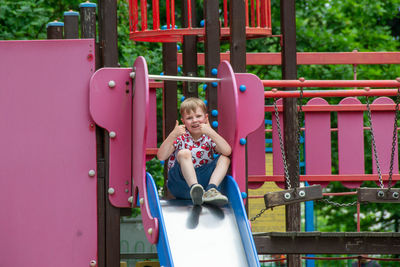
<point>314,58</point>
<point>343,107</point>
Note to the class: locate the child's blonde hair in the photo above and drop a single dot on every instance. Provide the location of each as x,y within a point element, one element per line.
<point>191,104</point>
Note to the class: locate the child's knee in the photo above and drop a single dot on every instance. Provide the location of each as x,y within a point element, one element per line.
<point>184,154</point>
<point>224,160</point>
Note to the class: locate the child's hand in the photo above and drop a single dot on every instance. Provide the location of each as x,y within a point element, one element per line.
<point>178,130</point>
<point>206,128</point>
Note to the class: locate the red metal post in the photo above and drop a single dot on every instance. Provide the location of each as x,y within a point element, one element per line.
<point>173,14</point>
<point>251,13</point>
<point>258,12</point>
<point>225,13</point>
<point>143,9</point>
<point>156,15</point>
<point>189,8</point>
<point>168,10</point>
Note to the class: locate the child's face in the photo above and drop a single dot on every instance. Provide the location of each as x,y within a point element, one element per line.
<point>192,120</point>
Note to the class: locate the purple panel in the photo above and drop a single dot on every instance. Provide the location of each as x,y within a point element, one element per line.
<point>318,141</point>
<point>140,119</point>
<point>111,108</point>
<point>48,147</point>
<point>350,141</point>
<point>382,123</point>
<point>251,118</point>
<point>277,160</point>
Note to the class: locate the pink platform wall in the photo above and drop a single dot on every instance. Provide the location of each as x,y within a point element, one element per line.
<point>48,200</point>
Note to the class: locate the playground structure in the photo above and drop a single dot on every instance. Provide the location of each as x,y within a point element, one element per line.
<point>110,108</point>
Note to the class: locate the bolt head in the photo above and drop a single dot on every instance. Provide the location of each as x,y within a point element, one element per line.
<point>92,173</point>
<point>395,195</point>
<point>93,263</point>
<point>130,199</point>
<point>381,194</point>
<point>111,84</point>
<point>287,196</point>
<point>150,231</point>
<point>302,193</point>
<point>111,190</point>
<point>112,134</point>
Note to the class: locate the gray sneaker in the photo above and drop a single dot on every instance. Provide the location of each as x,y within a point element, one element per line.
<point>196,193</point>
<point>214,197</point>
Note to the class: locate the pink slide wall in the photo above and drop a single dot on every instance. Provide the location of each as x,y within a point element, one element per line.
<point>48,147</point>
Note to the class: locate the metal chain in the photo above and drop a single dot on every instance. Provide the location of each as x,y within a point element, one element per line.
<point>258,215</point>
<point>298,130</point>
<point>336,204</point>
<point>394,138</point>
<point>285,167</point>
<point>371,130</point>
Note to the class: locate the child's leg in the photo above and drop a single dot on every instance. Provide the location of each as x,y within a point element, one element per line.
<point>212,195</point>
<point>184,158</point>
<point>220,170</point>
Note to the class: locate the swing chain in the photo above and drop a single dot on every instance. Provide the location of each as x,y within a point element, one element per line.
<point>394,139</point>
<point>258,215</point>
<point>371,130</point>
<point>336,204</point>
<point>285,167</point>
<point>298,135</point>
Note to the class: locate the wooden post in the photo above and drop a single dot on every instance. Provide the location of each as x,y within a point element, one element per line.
<point>108,37</point>
<point>189,51</point>
<point>71,25</point>
<point>212,49</point>
<point>55,30</point>
<point>88,27</point>
<point>170,102</point>
<point>237,19</point>
<point>289,72</point>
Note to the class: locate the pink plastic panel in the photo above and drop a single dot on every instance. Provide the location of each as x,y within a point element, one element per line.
<point>382,123</point>
<point>277,160</point>
<point>48,200</point>
<point>140,118</point>
<point>228,108</point>
<point>111,108</point>
<point>251,118</point>
<point>350,141</point>
<point>318,140</point>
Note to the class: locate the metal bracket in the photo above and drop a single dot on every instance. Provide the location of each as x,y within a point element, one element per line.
<point>378,195</point>
<point>290,196</point>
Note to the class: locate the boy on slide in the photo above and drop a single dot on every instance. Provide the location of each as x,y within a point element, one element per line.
<point>190,148</point>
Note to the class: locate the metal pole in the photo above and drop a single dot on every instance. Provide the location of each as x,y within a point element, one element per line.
<point>179,78</point>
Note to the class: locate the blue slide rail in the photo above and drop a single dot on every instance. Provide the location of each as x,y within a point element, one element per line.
<point>231,190</point>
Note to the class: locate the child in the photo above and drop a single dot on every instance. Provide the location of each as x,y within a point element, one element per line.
<point>190,149</point>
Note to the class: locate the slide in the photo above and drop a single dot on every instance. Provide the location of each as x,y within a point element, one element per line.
<point>203,235</point>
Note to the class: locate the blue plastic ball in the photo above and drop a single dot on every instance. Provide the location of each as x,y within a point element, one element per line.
<point>244,195</point>
<point>214,71</point>
<point>214,84</point>
<point>214,124</point>
<point>179,69</point>
<point>162,162</point>
<point>204,87</point>
<point>206,102</point>
<point>178,47</point>
<point>163,27</point>
<point>242,88</point>
<point>183,98</point>
<point>162,73</point>
<point>242,141</point>
<point>214,112</point>
<point>202,23</point>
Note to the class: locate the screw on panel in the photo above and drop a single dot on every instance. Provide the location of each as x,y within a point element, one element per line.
<point>130,199</point>
<point>93,263</point>
<point>141,201</point>
<point>150,231</point>
<point>111,84</point>
<point>381,194</point>
<point>112,134</point>
<point>395,195</point>
<point>111,190</point>
<point>287,196</point>
<point>126,190</point>
<point>92,173</point>
<point>302,193</point>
